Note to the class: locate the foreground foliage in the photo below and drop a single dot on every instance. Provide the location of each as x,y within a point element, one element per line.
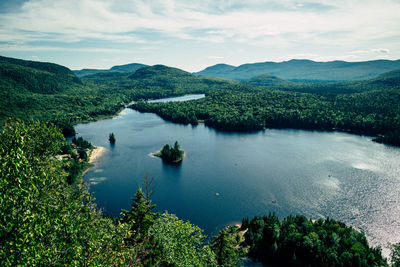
<point>228,246</point>
<point>298,241</point>
<point>181,243</point>
<point>45,221</point>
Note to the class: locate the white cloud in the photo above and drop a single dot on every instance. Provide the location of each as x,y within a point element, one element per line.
<point>23,47</point>
<point>372,51</point>
<point>289,26</point>
<point>215,57</point>
<point>75,20</point>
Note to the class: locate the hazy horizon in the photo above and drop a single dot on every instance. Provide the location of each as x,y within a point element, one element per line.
<point>193,35</point>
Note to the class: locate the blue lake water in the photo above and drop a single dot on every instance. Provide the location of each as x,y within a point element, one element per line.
<point>227,176</point>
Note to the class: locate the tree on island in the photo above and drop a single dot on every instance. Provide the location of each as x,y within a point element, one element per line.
<point>171,154</point>
<point>111,138</point>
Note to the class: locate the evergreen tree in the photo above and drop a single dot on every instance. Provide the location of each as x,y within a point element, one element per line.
<point>111,138</point>
<point>140,217</point>
<point>224,249</point>
<point>171,154</point>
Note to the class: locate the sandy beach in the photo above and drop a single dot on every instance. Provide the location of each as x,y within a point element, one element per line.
<point>96,153</point>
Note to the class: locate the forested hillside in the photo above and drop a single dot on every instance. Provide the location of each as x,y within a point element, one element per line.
<point>35,77</point>
<point>156,82</point>
<point>120,68</point>
<point>50,92</point>
<point>386,80</point>
<point>305,70</point>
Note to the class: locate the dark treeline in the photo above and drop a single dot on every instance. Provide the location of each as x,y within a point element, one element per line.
<point>298,241</point>
<point>375,112</point>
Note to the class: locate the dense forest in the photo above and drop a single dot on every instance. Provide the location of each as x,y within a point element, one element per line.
<point>298,241</point>
<point>121,68</point>
<point>47,216</point>
<point>52,93</point>
<point>375,112</point>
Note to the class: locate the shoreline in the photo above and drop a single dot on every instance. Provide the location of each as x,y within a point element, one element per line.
<point>95,154</point>
<point>157,155</point>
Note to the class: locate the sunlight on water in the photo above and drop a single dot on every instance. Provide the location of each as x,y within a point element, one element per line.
<point>96,180</point>
<point>330,182</point>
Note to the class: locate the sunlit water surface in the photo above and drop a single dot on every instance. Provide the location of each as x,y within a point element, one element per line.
<point>227,176</point>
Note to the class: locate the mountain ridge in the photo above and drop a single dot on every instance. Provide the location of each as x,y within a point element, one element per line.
<point>130,67</point>
<point>34,76</point>
<point>304,70</point>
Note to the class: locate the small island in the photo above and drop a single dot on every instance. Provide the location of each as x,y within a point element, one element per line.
<point>111,138</point>
<point>171,154</point>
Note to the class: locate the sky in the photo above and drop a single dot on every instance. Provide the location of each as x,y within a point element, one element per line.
<point>192,35</point>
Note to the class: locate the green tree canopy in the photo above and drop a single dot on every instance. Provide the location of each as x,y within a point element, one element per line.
<point>181,243</point>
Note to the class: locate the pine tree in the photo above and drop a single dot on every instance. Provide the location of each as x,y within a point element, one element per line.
<point>140,217</point>
<point>111,138</point>
<point>224,249</point>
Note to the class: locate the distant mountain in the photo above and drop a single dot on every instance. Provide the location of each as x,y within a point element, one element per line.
<point>219,70</point>
<point>36,77</point>
<point>176,80</point>
<point>305,70</point>
<point>391,78</point>
<point>128,67</point>
<point>156,82</point>
<point>159,71</point>
<point>387,80</point>
<point>266,80</point>
<point>120,68</point>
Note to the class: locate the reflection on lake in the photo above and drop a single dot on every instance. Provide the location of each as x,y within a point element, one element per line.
<point>227,176</point>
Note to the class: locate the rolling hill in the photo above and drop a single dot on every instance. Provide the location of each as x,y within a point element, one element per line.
<point>305,70</point>
<point>36,77</point>
<point>266,80</point>
<point>119,68</point>
<point>386,80</point>
<point>159,79</point>
<point>50,92</point>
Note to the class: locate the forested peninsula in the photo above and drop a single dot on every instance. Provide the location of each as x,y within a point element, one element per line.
<point>47,216</point>
<point>372,111</point>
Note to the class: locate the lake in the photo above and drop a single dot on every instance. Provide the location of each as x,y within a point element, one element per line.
<point>227,176</point>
